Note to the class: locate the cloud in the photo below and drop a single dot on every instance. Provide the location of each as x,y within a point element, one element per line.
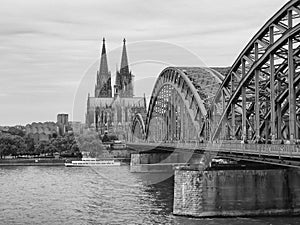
<point>3,94</point>
<point>45,46</point>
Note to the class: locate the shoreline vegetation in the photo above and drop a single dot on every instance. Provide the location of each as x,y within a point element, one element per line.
<point>15,143</point>
<point>18,148</point>
<point>33,162</point>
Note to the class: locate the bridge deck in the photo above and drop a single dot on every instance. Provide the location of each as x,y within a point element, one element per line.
<point>281,154</point>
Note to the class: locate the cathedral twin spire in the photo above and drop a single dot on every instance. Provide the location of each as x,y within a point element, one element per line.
<point>124,78</point>
<point>103,86</point>
<point>124,59</point>
<point>103,64</point>
<point>123,84</point>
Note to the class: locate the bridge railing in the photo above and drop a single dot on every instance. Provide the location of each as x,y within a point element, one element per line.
<point>276,150</point>
<point>175,144</point>
<point>284,150</point>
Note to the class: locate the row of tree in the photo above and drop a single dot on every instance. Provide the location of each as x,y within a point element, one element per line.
<point>15,142</point>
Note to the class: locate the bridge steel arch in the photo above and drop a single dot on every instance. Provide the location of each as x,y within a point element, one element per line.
<point>138,127</point>
<point>259,97</point>
<point>179,104</point>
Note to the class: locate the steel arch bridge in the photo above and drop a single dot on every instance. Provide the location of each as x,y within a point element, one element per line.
<point>179,105</point>
<point>256,99</point>
<point>259,97</point>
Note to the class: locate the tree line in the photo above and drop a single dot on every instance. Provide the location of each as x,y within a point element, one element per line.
<point>15,142</point>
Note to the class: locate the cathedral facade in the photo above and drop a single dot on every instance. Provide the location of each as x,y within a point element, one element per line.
<point>114,113</point>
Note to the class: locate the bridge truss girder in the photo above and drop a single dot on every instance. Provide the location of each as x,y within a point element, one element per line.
<point>260,95</point>
<point>179,103</point>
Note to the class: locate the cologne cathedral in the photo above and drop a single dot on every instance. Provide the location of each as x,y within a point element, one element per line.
<point>114,112</point>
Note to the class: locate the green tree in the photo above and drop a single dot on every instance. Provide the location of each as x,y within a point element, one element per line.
<point>29,145</point>
<point>65,144</point>
<point>41,147</point>
<point>11,145</point>
<point>16,131</point>
<point>90,142</point>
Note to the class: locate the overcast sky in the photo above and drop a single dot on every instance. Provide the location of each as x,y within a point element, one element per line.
<point>47,47</point>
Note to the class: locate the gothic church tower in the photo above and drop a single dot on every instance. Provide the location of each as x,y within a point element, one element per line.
<point>124,77</point>
<point>103,87</point>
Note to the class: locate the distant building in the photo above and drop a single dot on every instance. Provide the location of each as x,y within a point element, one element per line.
<point>44,131</point>
<point>62,123</point>
<point>77,127</point>
<point>41,131</point>
<point>114,113</point>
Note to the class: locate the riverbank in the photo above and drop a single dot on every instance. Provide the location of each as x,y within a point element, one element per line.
<point>47,161</point>
<point>33,162</point>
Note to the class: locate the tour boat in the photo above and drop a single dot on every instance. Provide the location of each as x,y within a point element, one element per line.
<point>85,162</point>
<point>118,145</point>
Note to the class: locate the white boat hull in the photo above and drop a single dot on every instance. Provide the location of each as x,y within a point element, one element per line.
<point>73,165</point>
<point>86,163</point>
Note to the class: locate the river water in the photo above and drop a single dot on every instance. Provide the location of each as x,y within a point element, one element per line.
<point>111,195</point>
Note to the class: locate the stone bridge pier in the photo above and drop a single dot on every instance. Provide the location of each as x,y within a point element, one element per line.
<point>236,192</point>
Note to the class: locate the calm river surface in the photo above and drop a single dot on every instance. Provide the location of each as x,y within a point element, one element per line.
<point>111,195</point>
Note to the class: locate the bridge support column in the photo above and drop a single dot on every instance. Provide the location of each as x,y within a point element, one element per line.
<point>232,110</point>
<point>292,99</point>
<point>298,127</point>
<point>236,192</point>
<point>244,114</point>
<point>182,127</point>
<point>233,121</point>
<point>187,130</point>
<point>279,119</point>
<point>256,105</point>
<point>272,88</point>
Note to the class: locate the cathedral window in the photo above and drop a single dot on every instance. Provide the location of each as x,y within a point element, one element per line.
<point>119,114</point>
<point>126,114</point>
